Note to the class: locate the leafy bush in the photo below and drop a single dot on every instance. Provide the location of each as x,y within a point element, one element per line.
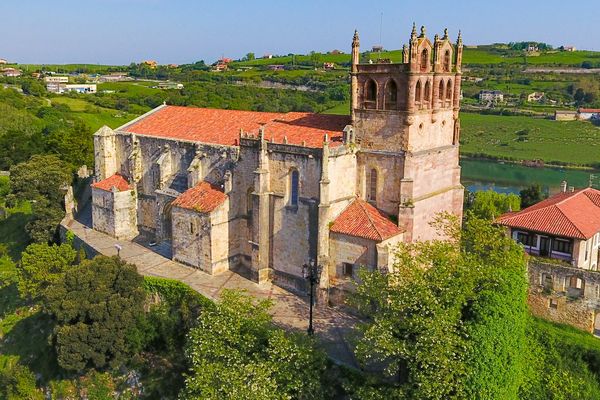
<point>236,353</point>
<point>95,307</point>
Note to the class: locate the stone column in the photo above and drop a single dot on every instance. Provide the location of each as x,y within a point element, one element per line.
<point>261,240</point>
<point>323,226</point>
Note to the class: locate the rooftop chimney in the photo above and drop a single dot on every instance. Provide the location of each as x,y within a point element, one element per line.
<point>563,186</point>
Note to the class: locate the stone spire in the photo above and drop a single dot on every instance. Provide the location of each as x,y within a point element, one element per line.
<point>354,74</point>
<point>459,41</point>
<point>413,34</point>
<point>423,31</point>
<point>445,34</point>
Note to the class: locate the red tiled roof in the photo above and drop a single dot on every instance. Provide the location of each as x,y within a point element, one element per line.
<point>589,110</point>
<point>209,125</point>
<point>203,197</point>
<point>363,220</point>
<point>117,180</point>
<point>571,214</point>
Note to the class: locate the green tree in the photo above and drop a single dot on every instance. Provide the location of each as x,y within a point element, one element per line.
<point>42,266</point>
<point>236,353</point>
<point>250,56</point>
<point>42,176</point>
<point>95,307</point>
<point>531,195</point>
<point>18,382</point>
<point>490,204</point>
<point>447,321</point>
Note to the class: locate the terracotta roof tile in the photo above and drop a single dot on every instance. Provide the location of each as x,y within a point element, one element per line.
<point>116,180</point>
<point>203,197</point>
<point>572,214</point>
<point>363,220</point>
<point>209,125</point>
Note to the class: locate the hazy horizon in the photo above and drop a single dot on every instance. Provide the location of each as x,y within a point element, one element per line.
<point>118,32</point>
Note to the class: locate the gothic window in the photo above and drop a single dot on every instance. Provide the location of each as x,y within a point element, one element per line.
<point>418,94</point>
<point>449,90</point>
<point>391,96</point>
<point>424,60</point>
<point>441,94</point>
<point>447,61</point>
<point>294,183</point>
<point>371,94</point>
<point>373,185</point>
<point>427,92</point>
<point>249,201</point>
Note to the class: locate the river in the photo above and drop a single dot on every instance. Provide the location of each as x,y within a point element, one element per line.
<point>511,178</point>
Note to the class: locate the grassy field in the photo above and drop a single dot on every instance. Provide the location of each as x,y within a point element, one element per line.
<point>525,138</point>
<point>472,56</point>
<point>93,115</point>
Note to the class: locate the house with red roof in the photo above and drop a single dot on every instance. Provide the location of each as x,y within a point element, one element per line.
<point>562,234</point>
<point>564,227</point>
<point>264,193</point>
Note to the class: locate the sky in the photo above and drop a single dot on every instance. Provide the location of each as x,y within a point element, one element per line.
<point>184,31</point>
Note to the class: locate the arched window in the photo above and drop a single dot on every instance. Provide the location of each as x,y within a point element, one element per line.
<point>294,183</point>
<point>391,95</point>
<point>427,95</point>
<point>371,94</point>
<point>449,90</point>
<point>373,185</point>
<point>441,94</point>
<point>424,60</point>
<point>418,93</point>
<point>447,61</point>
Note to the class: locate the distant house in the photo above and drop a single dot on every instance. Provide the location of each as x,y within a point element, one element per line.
<point>569,48</point>
<point>3,61</point>
<point>11,72</point>
<point>59,88</point>
<point>377,48</point>
<point>336,52</point>
<point>56,79</point>
<point>276,67</point>
<point>562,233</point>
<point>532,48</point>
<point>589,113</point>
<point>565,115</point>
<point>170,85</point>
<point>536,97</point>
<point>328,65</point>
<point>494,96</point>
<point>268,56</point>
<point>220,66</point>
<point>173,65</point>
<point>151,63</point>
<point>114,77</point>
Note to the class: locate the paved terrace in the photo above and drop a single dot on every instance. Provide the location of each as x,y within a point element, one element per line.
<point>290,311</point>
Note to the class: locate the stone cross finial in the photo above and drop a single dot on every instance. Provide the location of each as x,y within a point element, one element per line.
<point>436,38</point>
<point>355,38</point>
<point>446,34</point>
<point>423,31</point>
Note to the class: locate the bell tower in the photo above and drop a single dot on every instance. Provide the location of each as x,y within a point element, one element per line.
<point>406,120</point>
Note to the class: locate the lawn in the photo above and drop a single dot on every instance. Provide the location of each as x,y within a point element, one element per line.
<point>93,115</point>
<point>525,138</point>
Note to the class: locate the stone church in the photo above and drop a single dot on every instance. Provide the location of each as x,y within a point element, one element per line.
<point>263,193</point>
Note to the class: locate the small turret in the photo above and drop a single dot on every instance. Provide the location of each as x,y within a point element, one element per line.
<point>459,52</point>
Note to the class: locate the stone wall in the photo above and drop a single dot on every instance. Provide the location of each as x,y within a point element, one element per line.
<point>554,295</point>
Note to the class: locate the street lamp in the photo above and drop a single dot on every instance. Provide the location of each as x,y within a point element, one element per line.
<point>312,273</point>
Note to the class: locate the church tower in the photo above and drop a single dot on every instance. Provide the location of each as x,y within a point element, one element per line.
<point>406,121</point>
